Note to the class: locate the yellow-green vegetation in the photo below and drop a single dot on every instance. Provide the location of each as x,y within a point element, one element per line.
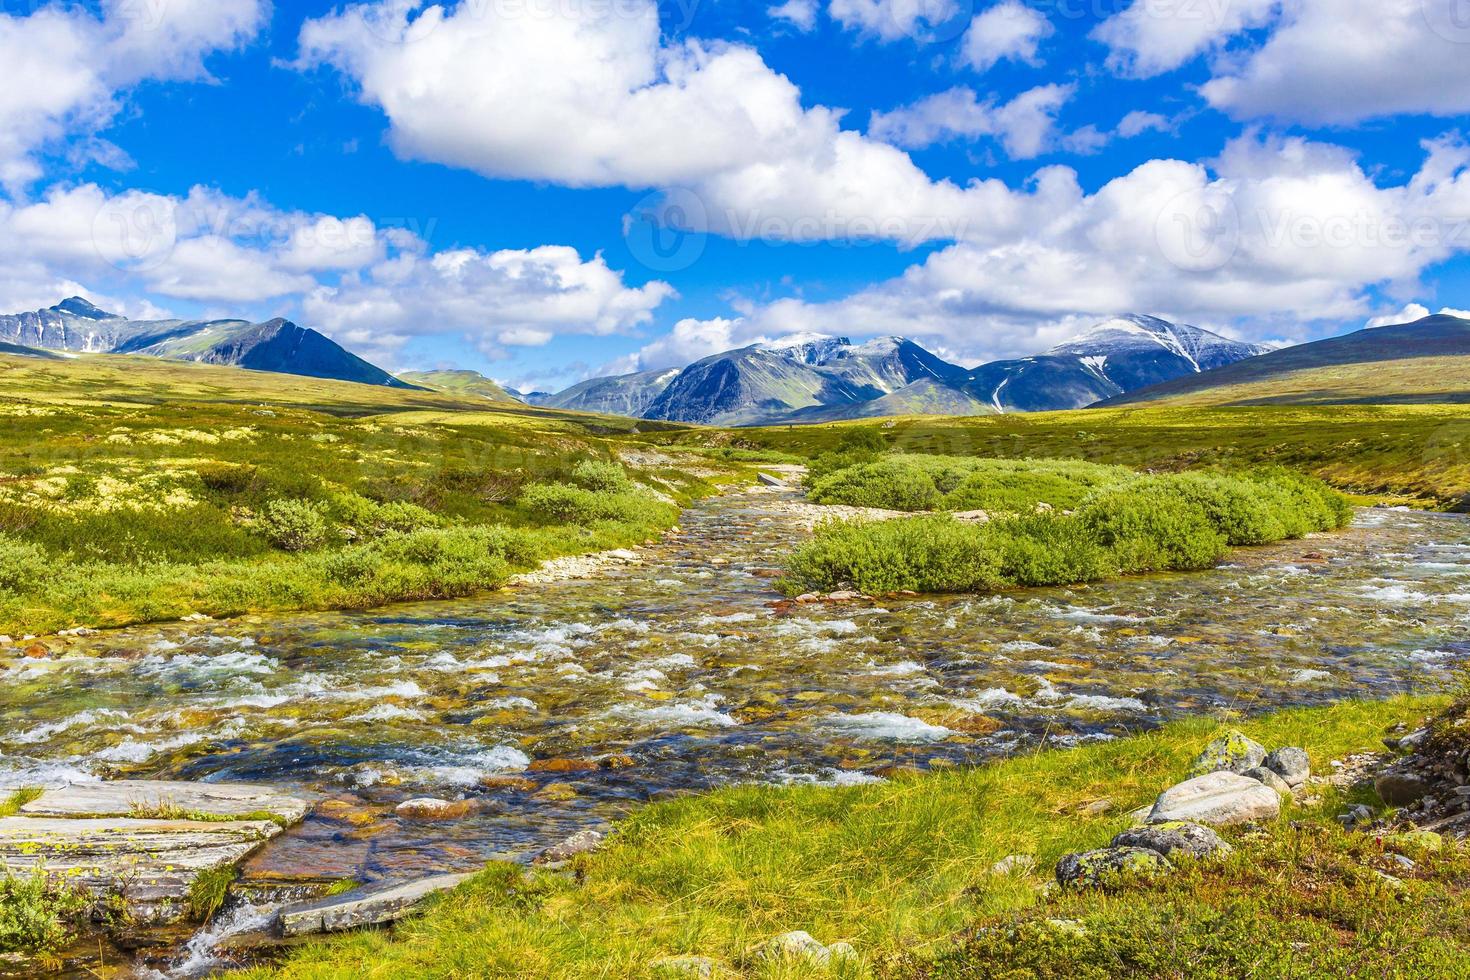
<point>1124,523</point>
<point>901,869</point>
<point>1419,453</point>
<point>208,891</point>
<point>38,913</point>
<point>12,803</point>
<point>154,490</point>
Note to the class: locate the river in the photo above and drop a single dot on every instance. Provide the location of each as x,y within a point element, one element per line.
<point>560,707</point>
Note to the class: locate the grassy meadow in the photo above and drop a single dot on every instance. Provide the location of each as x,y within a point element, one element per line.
<point>903,870</point>
<point>1416,454</point>
<point>133,489</point>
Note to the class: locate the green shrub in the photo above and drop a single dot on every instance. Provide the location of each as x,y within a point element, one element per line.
<point>38,915</point>
<point>22,565</point>
<point>563,504</point>
<point>226,477</point>
<point>915,482</point>
<point>1047,550</point>
<point>892,484</point>
<point>293,525</point>
<point>925,554</point>
<point>601,476</point>
<point>370,517</point>
<point>1150,526</point>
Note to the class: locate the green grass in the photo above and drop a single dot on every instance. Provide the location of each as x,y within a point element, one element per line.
<point>208,891</point>
<point>898,868</point>
<point>1417,453</point>
<point>1127,524</point>
<point>11,804</point>
<point>153,490</point>
<point>38,914</point>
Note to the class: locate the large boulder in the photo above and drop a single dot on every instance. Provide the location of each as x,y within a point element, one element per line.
<point>1291,764</point>
<point>1218,799</point>
<point>1173,839</point>
<point>1233,752</point>
<point>1097,868</point>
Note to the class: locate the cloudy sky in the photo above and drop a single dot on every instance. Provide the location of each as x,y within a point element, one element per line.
<point>542,189</point>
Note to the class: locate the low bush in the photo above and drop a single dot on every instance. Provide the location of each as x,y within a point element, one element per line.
<point>601,476</point>
<point>564,504</point>
<point>38,915</point>
<point>293,525</point>
<point>1138,524</point>
<point>915,482</point>
<point>22,565</point>
<point>227,478</point>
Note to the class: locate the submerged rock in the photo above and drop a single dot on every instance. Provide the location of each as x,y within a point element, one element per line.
<point>1291,764</point>
<point>1171,839</point>
<point>1218,799</point>
<point>429,808</point>
<point>1233,752</point>
<point>1095,868</point>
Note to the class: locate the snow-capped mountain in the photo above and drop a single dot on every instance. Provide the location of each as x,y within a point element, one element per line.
<point>277,345</point>
<point>623,394</point>
<point>1116,356</point>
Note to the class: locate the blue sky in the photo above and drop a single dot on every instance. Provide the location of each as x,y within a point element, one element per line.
<point>480,184</point>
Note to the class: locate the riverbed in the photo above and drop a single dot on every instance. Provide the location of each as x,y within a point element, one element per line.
<point>562,706</point>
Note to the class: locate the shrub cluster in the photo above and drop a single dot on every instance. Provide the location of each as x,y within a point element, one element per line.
<point>913,482</point>
<point>37,914</point>
<point>1142,524</point>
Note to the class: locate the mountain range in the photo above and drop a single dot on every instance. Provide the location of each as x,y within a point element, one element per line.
<point>277,345</point>
<point>815,378</point>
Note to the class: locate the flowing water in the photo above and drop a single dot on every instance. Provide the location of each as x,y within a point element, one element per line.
<point>562,706</point>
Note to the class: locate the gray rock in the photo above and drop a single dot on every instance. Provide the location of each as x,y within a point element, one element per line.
<point>801,946</point>
<point>1014,864</point>
<point>1233,752</point>
<point>150,863</point>
<point>1355,815</point>
<point>683,966</point>
<point>1291,764</point>
<point>1268,777</point>
<point>370,906</point>
<point>579,843</point>
<point>1172,839</point>
<point>771,481</point>
<point>149,797</point>
<point>1397,787</point>
<point>1095,868</point>
<point>1067,927</point>
<point>1218,799</point>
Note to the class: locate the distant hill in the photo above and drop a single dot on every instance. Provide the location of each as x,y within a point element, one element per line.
<point>277,345</point>
<point>19,351</point>
<point>622,394</point>
<point>1116,356</point>
<point>1427,361</point>
<point>462,382</point>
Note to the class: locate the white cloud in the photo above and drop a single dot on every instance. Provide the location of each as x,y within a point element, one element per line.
<point>1341,61</point>
<point>1138,122</point>
<point>1025,125</point>
<point>890,20</point>
<point>1007,30</point>
<point>801,14</point>
<point>1279,232</point>
<point>1410,313</point>
<point>1151,37</point>
<point>589,96</point>
<point>512,297</point>
<point>65,67</point>
<point>691,340</point>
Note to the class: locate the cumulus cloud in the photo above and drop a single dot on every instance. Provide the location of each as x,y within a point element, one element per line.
<point>1410,313</point>
<point>1277,233</point>
<point>66,67</point>
<point>1138,122</point>
<point>1150,37</point>
<point>590,96</point>
<point>1008,30</point>
<point>1024,126</point>
<point>890,20</point>
<point>801,14</point>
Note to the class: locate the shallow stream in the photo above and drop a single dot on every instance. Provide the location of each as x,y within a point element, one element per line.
<point>562,706</point>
